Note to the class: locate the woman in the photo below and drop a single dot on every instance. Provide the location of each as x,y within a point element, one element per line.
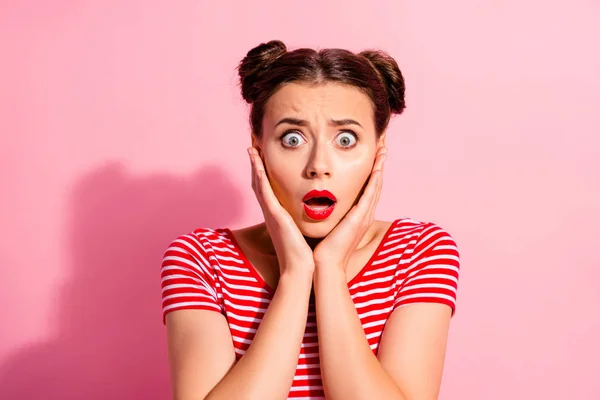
<point>320,300</point>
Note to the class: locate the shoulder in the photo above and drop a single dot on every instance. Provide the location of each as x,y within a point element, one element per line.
<point>429,247</point>
<point>429,269</point>
<point>201,239</point>
<point>418,244</point>
<point>421,233</point>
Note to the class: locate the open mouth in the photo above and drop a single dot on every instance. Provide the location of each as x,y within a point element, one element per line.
<point>319,204</point>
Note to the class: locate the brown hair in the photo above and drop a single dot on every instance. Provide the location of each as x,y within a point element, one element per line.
<point>268,66</point>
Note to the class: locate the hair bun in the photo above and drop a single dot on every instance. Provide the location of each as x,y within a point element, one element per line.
<point>390,75</point>
<point>257,61</point>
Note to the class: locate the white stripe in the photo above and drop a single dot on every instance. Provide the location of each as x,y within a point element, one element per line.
<point>447,247</point>
<point>374,323</point>
<point>310,398</point>
<point>429,286</point>
<point>241,328</point>
<point>194,267</point>
<point>425,295</point>
<point>414,265</point>
<point>239,351</point>
<point>390,258</point>
<point>241,340</point>
<point>242,318</point>
<point>373,301</point>
<point>240,297</point>
<point>226,267</point>
<point>238,277</point>
<point>187,286</point>
<point>308,355</point>
<point>300,388</point>
<point>414,270</point>
<point>179,276</point>
<point>437,276</point>
<point>244,287</point>
<point>225,250</point>
<point>191,303</point>
<point>375,312</point>
<point>307,366</point>
<point>390,267</point>
<point>372,282</point>
<point>206,236</point>
<point>402,246</point>
<point>369,292</point>
<point>406,231</point>
<point>245,308</point>
<point>176,295</point>
<point>374,334</point>
<point>223,258</point>
<point>306,377</point>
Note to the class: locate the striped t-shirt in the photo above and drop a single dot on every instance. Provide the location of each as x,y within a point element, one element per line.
<point>206,269</point>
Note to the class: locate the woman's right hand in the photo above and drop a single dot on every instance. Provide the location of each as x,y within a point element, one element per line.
<point>293,253</point>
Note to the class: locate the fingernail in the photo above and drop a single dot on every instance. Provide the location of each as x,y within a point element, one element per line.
<point>249,150</point>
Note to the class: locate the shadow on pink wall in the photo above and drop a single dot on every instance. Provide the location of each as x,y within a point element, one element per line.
<point>110,341</point>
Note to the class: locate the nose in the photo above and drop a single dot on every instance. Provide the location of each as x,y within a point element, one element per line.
<point>318,165</point>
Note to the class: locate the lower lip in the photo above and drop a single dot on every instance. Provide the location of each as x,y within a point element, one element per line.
<point>318,214</point>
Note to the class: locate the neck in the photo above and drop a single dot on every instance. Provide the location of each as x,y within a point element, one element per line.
<point>313,242</point>
<point>267,243</point>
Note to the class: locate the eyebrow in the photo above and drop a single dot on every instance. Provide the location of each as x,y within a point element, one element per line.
<point>333,122</point>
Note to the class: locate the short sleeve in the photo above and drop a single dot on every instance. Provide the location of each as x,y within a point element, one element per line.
<point>432,272</point>
<point>187,280</point>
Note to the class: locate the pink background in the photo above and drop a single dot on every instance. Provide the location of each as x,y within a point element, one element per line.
<point>121,127</point>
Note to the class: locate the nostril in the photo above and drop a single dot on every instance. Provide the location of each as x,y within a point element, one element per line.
<point>315,173</point>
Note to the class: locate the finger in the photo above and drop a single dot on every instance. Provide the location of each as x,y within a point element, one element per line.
<point>252,171</point>
<point>379,187</point>
<point>370,197</point>
<point>372,186</point>
<point>366,200</point>
<point>377,195</point>
<point>380,179</point>
<point>252,168</point>
<point>378,166</point>
<point>264,188</point>
<point>256,184</point>
<point>379,159</point>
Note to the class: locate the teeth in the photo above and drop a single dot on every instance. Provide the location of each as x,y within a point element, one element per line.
<point>318,207</point>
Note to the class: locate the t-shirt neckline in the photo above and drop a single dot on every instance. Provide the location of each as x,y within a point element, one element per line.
<point>271,290</point>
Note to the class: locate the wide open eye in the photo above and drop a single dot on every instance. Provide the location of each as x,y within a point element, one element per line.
<point>292,139</point>
<point>346,139</point>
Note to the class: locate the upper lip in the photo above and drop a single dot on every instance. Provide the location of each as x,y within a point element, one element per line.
<point>319,193</point>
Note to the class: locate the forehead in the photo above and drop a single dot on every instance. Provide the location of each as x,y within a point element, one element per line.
<point>329,100</point>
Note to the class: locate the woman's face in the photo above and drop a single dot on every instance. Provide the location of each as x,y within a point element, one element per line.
<point>318,137</point>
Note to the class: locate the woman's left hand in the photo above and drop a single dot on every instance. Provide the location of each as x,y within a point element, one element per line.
<point>337,247</point>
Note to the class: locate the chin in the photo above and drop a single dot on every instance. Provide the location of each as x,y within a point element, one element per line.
<point>316,229</point>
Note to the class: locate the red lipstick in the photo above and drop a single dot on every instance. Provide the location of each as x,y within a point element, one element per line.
<point>319,204</point>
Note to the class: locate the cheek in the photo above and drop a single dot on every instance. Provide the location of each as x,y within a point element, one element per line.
<point>354,176</point>
<point>282,179</point>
